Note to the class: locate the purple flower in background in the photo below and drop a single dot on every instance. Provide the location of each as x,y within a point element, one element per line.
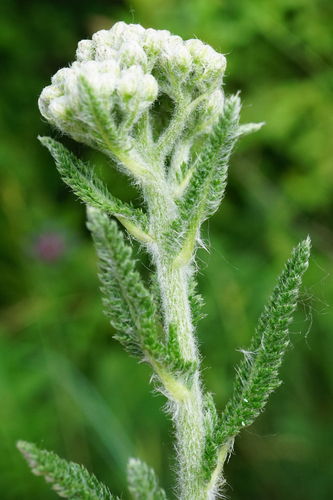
<point>49,246</point>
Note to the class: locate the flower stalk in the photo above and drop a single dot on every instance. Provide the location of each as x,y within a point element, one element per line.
<point>155,105</point>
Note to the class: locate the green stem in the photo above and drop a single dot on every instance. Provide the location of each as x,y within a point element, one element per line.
<point>188,410</point>
<point>217,477</point>
<point>166,142</point>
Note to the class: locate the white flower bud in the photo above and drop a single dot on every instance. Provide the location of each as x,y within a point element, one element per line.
<point>58,109</point>
<point>49,93</point>
<point>196,48</point>
<point>85,50</point>
<point>121,33</point>
<point>70,87</point>
<point>76,66</point>
<point>90,72</point>
<point>215,63</point>
<point>104,52</point>
<point>150,88</point>
<point>110,66</point>
<point>116,34</point>
<point>130,83</point>
<point>102,37</point>
<point>153,40</point>
<point>107,84</point>
<point>214,104</point>
<point>134,32</point>
<point>131,53</point>
<point>175,58</point>
<point>70,82</point>
<point>91,67</point>
<point>61,76</point>
<point>103,83</point>
<point>209,65</point>
<point>114,69</point>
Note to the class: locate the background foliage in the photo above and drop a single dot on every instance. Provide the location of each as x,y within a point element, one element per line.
<point>64,383</point>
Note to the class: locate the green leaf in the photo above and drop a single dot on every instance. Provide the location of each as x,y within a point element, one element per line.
<point>207,184</point>
<point>250,128</point>
<point>107,136</point>
<point>211,423</point>
<point>196,302</point>
<point>257,375</point>
<point>129,305</point>
<point>142,481</point>
<point>85,184</point>
<point>101,123</point>
<point>174,361</point>
<point>69,480</point>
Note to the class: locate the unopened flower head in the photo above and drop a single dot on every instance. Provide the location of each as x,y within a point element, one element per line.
<point>211,109</point>
<point>119,74</point>
<point>208,66</point>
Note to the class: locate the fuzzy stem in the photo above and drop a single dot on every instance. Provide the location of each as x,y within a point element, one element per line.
<point>188,411</point>
<point>169,137</point>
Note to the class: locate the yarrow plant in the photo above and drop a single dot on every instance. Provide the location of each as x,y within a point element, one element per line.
<point>154,105</point>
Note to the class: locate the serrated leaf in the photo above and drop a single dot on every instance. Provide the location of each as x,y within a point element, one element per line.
<point>206,187</point>
<point>129,305</point>
<point>101,123</point>
<point>174,361</point>
<point>142,481</point>
<point>196,302</point>
<point>250,128</point>
<point>257,375</point>
<point>85,184</point>
<point>211,422</point>
<point>68,479</point>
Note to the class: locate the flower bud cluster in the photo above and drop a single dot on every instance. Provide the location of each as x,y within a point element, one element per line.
<point>124,69</point>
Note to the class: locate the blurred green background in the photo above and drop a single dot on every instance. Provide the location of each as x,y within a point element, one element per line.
<point>64,383</point>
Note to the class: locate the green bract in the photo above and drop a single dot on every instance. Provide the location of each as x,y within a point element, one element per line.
<point>155,105</point>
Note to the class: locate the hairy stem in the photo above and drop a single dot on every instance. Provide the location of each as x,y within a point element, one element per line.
<point>188,415</point>
<point>188,410</point>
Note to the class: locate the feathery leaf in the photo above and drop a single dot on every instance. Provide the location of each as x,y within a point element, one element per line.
<point>257,375</point>
<point>102,126</point>
<point>211,422</point>
<point>196,302</point>
<point>68,479</point>
<point>142,481</point>
<point>128,303</point>
<point>130,306</point>
<point>85,184</point>
<point>207,185</point>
